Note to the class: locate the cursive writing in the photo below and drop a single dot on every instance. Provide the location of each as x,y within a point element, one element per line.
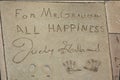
<point>68,47</point>
<point>26,48</point>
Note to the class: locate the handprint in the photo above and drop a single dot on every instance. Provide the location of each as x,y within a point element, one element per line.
<point>71,66</point>
<point>92,65</point>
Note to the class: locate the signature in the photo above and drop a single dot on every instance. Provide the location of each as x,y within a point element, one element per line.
<point>26,48</point>
<point>68,47</point>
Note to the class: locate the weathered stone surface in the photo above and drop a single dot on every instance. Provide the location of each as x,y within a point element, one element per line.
<point>113,16</point>
<point>115,54</point>
<point>55,41</point>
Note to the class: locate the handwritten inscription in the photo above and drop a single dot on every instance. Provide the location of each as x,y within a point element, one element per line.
<point>67,48</point>
<point>75,28</point>
<point>50,13</point>
<point>56,41</point>
<point>20,43</point>
<point>26,30</point>
<point>63,28</point>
